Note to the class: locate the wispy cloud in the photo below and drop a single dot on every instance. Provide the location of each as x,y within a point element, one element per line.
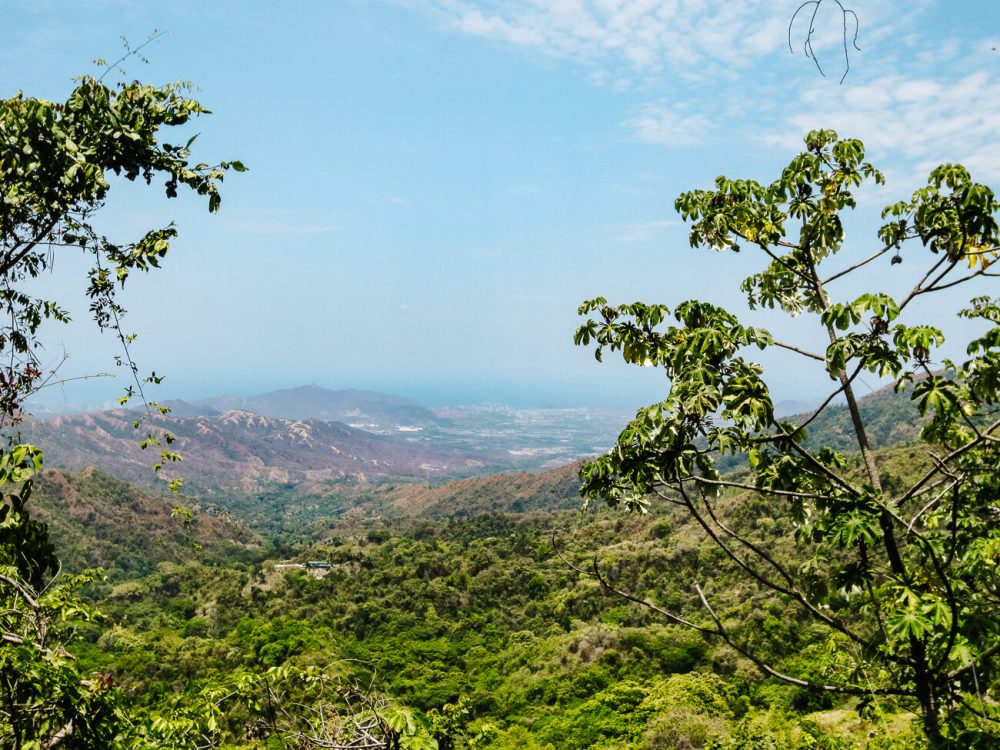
<point>716,67</point>
<point>645,35</point>
<point>923,120</point>
<point>663,124</point>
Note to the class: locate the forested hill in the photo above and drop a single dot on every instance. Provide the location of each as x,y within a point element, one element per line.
<point>890,419</point>
<point>556,489</point>
<point>486,614</point>
<point>98,521</point>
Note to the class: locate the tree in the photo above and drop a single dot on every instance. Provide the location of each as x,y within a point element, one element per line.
<point>905,579</point>
<point>55,164</point>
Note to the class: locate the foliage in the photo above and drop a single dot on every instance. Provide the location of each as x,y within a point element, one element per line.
<point>55,162</point>
<point>439,616</point>
<point>44,697</point>
<point>55,166</point>
<point>904,578</point>
<point>24,543</point>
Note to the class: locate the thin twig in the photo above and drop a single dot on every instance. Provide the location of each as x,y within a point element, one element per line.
<point>858,265</point>
<point>796,349</point>
<point>722,633</point>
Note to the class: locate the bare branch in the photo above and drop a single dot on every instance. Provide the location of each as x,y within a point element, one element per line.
<point>950,457</point>
<point>796,349</point>
<point>932,503</point>
<point>807,47</point>
<point>22,589</point>
<point>791,589</point>
<point>856,266</point>
<point>754,488</point>
<point>919,288</point>
<point>676,619</point>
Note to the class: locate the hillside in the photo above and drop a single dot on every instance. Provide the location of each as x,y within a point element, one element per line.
<point>556,489</point>
<point>310,509</point>
<point>890,419</point>
<point>522,492</point>
<point>485,612</point>
<point>240,451</point>
<point>98,521</point>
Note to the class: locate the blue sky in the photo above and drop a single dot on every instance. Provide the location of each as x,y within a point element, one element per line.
<point>435,186</point>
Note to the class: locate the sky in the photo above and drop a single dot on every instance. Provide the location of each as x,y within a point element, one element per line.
<point>435,186</point>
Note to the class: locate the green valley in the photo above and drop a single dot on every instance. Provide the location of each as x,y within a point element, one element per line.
<point>486,620</point>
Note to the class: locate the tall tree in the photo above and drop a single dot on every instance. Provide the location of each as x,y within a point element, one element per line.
<point>905,578</point>
<point>55,163</point>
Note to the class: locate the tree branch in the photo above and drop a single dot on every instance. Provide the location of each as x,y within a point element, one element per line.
<point>797,350</point>
<point>858,265</point>
<point>950,457</point>
<point>767,669</point>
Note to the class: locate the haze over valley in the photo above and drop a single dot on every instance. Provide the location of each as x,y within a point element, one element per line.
<point>310,435</point>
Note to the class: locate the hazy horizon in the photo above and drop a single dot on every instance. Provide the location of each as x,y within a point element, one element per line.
<point>434,187</point>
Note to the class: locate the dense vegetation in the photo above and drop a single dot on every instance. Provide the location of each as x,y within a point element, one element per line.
<point>490,628</point>
<point>482,615</point>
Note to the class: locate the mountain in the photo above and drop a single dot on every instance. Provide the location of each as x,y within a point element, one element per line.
<point>242,451</point>
<point>794,406</point>
<point>556,489</point>
<point>190,409</point>
<point>98,521</point>
<point>890,419</point>
<point>519,492</point>
<point>368,410</point>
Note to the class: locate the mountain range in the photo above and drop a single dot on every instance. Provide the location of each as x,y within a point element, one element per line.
<point>367,410</point>
<point>253,474</point>
<point>237,450</point>
<point>298,438</point>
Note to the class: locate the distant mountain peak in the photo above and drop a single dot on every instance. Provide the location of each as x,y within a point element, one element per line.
<point>241,416</point>
<point>381,411</point>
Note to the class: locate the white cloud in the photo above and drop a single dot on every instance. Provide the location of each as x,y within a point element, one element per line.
<point>645,35</point>
<point>726,67</point>
<point>659,123</point>
<point>926,122</point>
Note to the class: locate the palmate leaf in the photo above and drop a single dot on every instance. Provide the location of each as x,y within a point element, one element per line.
<point>907,623</point>
<point>854,526</point>
<point>937,393</point>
